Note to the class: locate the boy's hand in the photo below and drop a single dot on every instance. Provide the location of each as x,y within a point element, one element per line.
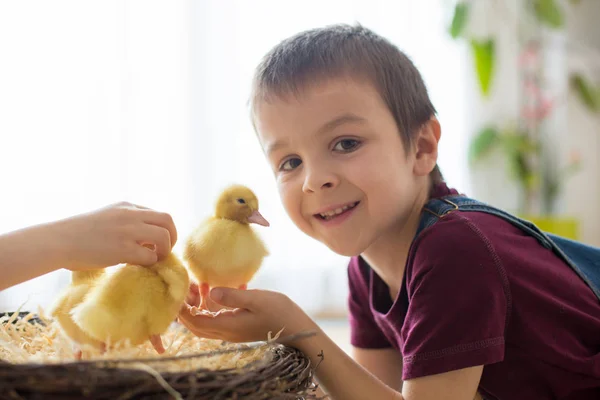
<point>255,313</point>
<point>119,233</point>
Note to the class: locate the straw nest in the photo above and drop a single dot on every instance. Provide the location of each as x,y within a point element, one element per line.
<point>38,362</point>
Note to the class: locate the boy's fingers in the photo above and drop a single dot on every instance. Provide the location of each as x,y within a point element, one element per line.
<point>162,220</point>
<point>203,325</point>
<point>234,298</point>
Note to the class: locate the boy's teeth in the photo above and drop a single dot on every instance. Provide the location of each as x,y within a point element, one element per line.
<point>337,211</point>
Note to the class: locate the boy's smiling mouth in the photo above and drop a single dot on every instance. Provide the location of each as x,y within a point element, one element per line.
<point>331,213</point>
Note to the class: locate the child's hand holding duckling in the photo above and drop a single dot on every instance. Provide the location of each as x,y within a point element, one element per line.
<point>119,233</point>
<point>115,234</point>
<point>252,314</point>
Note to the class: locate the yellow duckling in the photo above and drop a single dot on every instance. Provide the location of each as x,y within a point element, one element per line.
<point>224,250</point>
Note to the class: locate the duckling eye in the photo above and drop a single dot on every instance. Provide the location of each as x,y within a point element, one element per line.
<point>241,201</point>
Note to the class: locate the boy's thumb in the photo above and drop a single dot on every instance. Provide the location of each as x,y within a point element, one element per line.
<point>234,298</point>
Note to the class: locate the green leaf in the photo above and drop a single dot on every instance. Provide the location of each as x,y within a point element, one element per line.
<point>518,142</point>
<point>484,53</point>
<point>519,148</point>
<point>548,12</point>
<point>459,20</point>
<point>521,170</point>
<point>482,143</point>
<point>589,95</point>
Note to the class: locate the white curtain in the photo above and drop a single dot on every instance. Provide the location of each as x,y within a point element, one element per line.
<point>145,101</point>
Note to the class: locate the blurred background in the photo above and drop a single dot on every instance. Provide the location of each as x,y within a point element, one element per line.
<point>145,101</point>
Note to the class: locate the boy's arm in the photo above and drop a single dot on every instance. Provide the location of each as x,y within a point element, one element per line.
<point>343,378</point>
<point>339,375</point>
<point>385,364</point>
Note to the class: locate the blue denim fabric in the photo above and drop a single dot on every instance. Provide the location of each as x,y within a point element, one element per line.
<point>583,259</point>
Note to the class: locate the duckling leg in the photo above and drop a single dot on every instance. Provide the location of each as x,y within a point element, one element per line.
<point>78,354</point>
<point>193,297</point>
<point>157,343</point>
<point>203,308</point>
<point>243,286</point>
<point>204,293</point>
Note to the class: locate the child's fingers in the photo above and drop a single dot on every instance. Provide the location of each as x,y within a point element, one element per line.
<point>141,255</point>
<point>199,325</point>
<point>236,298</point>
<point>159,237</point>
<point>163,220</point>
<point>219,325</point>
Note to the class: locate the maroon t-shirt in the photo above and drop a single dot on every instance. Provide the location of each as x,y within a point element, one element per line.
<point>479,291</point>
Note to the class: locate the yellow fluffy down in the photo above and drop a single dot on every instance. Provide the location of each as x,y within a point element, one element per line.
<point>134,302</point>
<point>69,298</point>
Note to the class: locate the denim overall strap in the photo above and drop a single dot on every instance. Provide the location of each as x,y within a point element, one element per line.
<point>583,259</point>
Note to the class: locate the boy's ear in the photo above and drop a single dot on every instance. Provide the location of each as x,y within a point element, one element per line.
<point>426,145</point>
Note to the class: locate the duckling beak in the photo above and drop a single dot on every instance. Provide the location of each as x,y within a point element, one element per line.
<point>256,218</point>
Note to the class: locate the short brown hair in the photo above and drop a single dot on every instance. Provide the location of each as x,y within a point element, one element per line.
<point>356,51</point>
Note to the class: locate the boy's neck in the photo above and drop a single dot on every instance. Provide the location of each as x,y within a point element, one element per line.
<point>387,255</point>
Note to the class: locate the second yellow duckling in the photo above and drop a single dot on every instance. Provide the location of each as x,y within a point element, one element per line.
<point>81,284</point>
<point>135,303</point>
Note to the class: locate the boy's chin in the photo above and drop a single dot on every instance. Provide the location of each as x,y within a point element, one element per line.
<point>346,249</point>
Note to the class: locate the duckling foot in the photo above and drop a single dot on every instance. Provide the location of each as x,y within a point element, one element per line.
<point>78,354</point>
<point>157,343</point>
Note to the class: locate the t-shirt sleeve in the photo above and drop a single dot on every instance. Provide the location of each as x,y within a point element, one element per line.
<point>364,332</point>
<point>458,301</point>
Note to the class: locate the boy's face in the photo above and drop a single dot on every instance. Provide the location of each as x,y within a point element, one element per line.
<point>343,174</point>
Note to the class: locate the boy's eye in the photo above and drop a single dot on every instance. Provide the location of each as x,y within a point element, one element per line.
<point>346,145</point>
<point>291,164</point>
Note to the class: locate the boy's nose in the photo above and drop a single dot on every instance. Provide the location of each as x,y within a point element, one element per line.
<point>316,181</point>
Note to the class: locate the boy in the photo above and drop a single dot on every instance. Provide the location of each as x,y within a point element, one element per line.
<point>437,311</point>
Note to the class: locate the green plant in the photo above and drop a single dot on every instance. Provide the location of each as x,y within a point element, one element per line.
<point>522,139</point>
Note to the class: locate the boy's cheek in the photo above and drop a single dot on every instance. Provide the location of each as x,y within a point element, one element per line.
<point>293,209</point>
<point>291,205</point>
